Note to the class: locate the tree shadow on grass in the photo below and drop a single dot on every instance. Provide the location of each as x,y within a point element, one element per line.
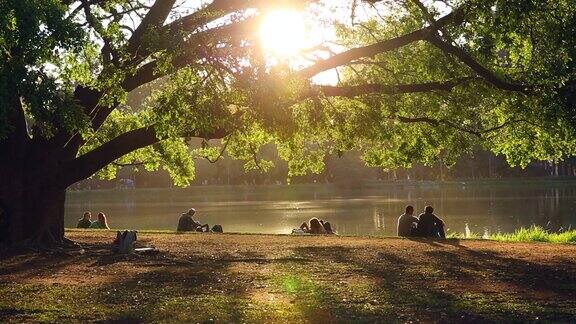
<point>525,275</point>
<point>31,265</point>
<point>194,289</point>
<point>319,284</point>
<point>417,289</point>
<point>438,242</point>
<point>167,288</point>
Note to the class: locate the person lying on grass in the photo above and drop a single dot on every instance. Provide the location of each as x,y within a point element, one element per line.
<point>317,227</point>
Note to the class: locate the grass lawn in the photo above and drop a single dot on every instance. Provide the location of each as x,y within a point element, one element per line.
<point>273,278</point>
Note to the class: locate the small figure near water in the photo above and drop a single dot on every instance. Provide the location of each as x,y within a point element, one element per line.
<point>327,227</point>
<point>188,224</point>
<point>101,223</point>
<point>317,227</point>
<point>407,223</point>
<point>85,221</point>
<point>429,225</point>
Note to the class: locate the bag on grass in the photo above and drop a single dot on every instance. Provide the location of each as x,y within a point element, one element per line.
<point>217,229</point>
<point>125,241</point>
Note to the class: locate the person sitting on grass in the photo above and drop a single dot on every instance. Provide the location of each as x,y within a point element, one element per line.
<point>429,225</point>
<point>315,227</point>
<point>327,227</point>
<point>188,224</point>
<point>86,221</point>
<point>407,223</point>
<point>101,223</point>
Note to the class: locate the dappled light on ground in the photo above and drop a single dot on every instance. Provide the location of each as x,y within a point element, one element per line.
<point>248,278</point>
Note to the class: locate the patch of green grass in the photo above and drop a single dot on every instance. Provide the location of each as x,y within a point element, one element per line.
<point>458,235</point>
<point>535,234</point>
<point>316,298</point>
<point>531,234</point>
<point>508,308</point>
<point>49,303</point>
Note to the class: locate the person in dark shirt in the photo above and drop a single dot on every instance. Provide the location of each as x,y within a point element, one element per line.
<point>407,223</point>
<point>85,222</point>
<point>187,223</point>
<point>429,225</point>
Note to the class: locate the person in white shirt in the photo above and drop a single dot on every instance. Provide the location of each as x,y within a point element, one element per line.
<point>407,223</point>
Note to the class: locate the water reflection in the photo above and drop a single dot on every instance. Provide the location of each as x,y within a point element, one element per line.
<point>276,209</point>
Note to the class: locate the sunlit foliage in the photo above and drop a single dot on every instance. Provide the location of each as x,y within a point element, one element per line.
<point>211,80</point>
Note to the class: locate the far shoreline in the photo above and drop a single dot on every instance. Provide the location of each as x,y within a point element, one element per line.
<point>371,184</point>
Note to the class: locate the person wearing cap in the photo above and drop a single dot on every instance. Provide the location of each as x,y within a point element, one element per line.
<point>186,223</point>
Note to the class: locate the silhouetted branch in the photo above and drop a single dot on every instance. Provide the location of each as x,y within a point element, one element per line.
<point>482,71</point>
<point>90,162</point>
<point>358,90</point>
<point>379,47</point>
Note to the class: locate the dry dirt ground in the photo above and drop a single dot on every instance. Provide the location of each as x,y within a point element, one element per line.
<point>269,278</point>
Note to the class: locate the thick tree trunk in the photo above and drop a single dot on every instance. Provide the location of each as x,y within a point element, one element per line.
<point>34,217</point>
<point>31,203</point>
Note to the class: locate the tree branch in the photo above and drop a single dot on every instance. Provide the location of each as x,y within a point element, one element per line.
<point>438,122</point>
<point>220,154</point>
<point>130,164</point>
<point>195,49</point>
<point>108,53</point>
<point>430,18</point>
<point>216,9</point>
<point>380,47</point>
<point>87,164</point>
<point>358,90</point>
<point>482,71</point>
<point>153,19</point>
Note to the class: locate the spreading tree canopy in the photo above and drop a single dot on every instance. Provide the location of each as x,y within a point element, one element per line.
<point>417,81</point>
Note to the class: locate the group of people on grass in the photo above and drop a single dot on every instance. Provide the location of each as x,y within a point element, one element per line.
<point>425,225</point>
<point>317,226</point>
<point>187,223</point>
<point>86,221</point>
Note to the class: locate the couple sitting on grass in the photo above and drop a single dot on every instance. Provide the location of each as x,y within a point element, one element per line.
<point>188,224</point>
<point>86,222</point>
<point>317,227</point>
<point>425,225</point>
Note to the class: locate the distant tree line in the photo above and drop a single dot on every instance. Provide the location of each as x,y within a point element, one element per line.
<point>346,170</point>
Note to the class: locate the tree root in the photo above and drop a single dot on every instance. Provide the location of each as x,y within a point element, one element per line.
<point>47,243</point>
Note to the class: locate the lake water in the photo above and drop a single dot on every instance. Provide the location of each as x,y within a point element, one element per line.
<point>483,207</point>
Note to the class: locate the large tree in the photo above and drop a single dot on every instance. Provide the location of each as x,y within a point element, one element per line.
<point>418,82</point>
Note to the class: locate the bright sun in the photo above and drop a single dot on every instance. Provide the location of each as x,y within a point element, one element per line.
<point>283,32</point>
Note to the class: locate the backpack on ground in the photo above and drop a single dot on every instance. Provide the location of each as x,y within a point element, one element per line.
<point>125,241</point>
<point>217,229</point>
